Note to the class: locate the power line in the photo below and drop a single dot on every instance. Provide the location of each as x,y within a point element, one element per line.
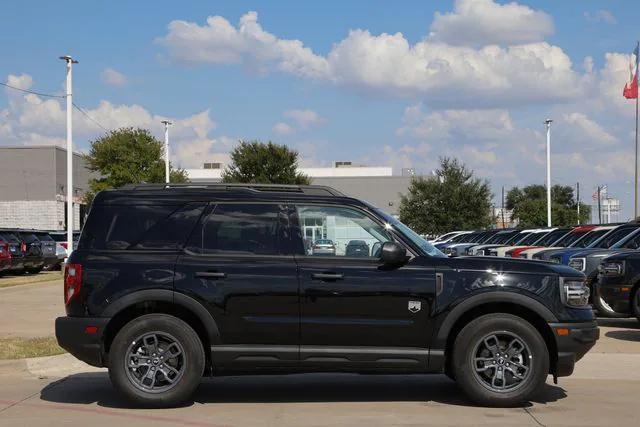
<point>89,117</point>
<point>32,92</point>
<point>56,96</point>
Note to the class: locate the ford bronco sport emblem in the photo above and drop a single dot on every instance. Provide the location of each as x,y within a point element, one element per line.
<point>415,306</point>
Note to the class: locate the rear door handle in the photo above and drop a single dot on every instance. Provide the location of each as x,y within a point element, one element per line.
<point>327,276</point>
<point>212,275</point>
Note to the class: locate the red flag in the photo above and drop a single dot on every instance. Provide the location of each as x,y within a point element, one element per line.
<point>630,90</point>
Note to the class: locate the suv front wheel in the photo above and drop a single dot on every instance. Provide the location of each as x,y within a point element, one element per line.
<point>156,360</point>
<point>500,360</point>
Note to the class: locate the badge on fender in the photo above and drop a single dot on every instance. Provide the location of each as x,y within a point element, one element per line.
<point>415,306</point>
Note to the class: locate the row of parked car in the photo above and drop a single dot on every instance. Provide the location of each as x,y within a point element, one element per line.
<point>31,251</point>
<point>609,256</point>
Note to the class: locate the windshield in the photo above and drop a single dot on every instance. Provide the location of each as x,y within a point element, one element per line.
<point>552,237</point>
<point>614,236</point>
<point>588,239</point>
<point>447,236</point>
<point>415,238</point>
<point>531,238</point>
<point>462,238</point>
<point>570,238</point>
<point>501,237</point>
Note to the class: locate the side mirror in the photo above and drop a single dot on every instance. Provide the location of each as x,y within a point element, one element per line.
<point>392,254</point>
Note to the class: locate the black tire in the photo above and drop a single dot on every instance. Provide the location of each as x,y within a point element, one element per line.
<point>635,303</point>
<point>604,310</point>
<point>166,327</point>
<point>469,343</point>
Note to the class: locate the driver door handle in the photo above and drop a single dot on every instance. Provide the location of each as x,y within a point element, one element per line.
<point>211,275</point>
<point>327,277</point>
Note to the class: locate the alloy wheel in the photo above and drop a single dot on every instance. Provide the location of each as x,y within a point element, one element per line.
<point>501,361</point>
<point>155,362</point>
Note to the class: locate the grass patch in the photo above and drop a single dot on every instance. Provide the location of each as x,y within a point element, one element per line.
<point>26,279</point>
<point>21,348</point>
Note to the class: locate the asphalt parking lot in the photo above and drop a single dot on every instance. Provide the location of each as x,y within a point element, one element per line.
<point>604,390</point>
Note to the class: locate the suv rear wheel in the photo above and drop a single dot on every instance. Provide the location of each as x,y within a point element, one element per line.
<point>156,360</point>
<point>635,303</point>
<point>500,360</point>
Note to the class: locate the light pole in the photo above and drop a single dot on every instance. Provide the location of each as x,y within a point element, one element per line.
<point>548,124</point>
<point>166,123</point>
<point>70,61</point>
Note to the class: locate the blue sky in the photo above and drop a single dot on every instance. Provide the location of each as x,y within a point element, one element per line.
<point>397,83</point>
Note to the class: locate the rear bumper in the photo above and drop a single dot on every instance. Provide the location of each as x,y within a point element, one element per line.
<point>72,335</point>
<point>573,341</point>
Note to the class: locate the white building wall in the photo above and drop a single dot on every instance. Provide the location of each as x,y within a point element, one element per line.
<point>37,214</point>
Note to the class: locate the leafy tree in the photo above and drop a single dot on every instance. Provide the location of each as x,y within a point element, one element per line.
<point>529,206</point>
<point>128,156</point>
<point>452,200</point>
<point>259,163</point>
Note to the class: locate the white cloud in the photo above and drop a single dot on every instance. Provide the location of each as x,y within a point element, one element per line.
<point>305,118</point>
<point>32,120</point>
<point>389,64</point>
<point>113,77</point>
<point>485,22</point>
<point>282,128</point>
<point>587,130</point>
<point>602,15</point>
<point>219,42</point>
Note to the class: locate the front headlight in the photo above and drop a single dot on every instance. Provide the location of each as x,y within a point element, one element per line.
<point>578,263</point>
<point>555,259</point>
<point>574,292</point>
<point>523,256</point>
<point>612,268</point>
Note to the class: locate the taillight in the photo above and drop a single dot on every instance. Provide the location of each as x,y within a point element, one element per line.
<point>72,281</point>
<point>4,251</point>
<point>64,245</point>
<point>23,247</point>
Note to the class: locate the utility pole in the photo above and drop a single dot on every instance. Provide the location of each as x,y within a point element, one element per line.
<point>70,61</point>
<point>599,209</point>
<point>578,199</point>
<point>502,210</point>
<point>166,123</point>
<point>548,124</point>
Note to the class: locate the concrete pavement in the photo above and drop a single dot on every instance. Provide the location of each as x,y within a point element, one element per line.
<point>604,390</point>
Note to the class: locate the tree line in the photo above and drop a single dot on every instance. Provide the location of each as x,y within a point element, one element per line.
<point>452,199</point>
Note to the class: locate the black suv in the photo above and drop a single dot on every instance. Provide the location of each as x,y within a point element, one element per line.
<point>170,283</point>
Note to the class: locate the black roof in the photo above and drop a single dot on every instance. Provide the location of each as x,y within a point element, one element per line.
<point>179,193</point>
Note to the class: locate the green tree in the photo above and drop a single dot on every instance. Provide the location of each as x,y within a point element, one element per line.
<point>259,163</point>
<point>452,200</point>
<point>529,206</point>
<point>128,156</point>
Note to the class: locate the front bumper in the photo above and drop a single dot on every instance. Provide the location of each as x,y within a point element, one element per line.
<point>573,340</point>
<point>73,334</point>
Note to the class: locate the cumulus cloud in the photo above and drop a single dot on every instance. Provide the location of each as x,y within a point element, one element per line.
<point>602,15</point>
<point>485,22</point>
<point>219,42</point>
<point>113,77</point>
<point>387,63</point>
<point>282,128</point>
<point>31,120</point>
<point>299,120</point>
<point>305,118</point>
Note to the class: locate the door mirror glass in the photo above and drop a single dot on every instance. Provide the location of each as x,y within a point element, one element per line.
<point>392,254</point>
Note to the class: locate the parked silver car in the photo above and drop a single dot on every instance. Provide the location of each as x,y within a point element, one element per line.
<point>323,247</point>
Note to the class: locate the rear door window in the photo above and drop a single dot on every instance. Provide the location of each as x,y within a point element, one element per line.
<point>242,229</point>
<point>139,227</point>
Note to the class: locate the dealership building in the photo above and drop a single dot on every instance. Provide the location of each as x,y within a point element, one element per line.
<point>33,191</point>
<point>33,185</point>
<point>377,185</point>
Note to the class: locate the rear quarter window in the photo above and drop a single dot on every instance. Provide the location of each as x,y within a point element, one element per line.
<point>139,227</point>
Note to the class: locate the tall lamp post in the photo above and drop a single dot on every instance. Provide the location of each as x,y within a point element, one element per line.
<point>70,61</point>
<point>548,124</point>
<point>166,123</point>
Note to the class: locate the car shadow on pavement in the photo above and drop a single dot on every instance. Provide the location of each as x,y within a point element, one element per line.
<point>95,387</point>
<point>626,323</point>
<point>629,335</point>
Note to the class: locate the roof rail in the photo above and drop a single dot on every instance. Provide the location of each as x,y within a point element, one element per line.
<point>318,190</point>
